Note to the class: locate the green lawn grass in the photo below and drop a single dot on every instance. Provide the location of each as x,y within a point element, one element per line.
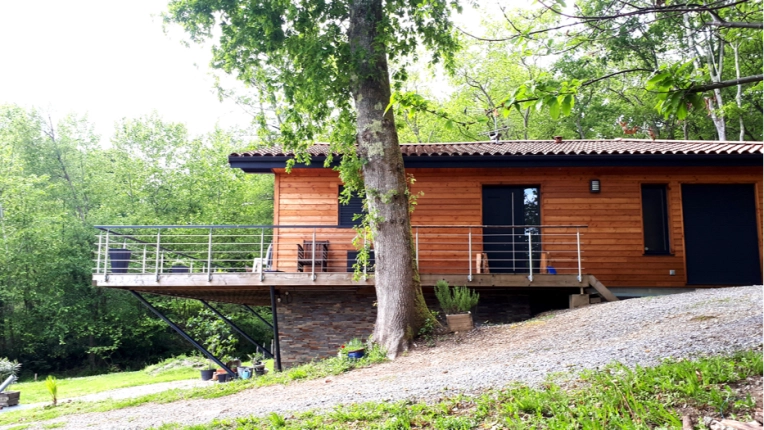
<point>318,369</point>
<point>615,398</point>
<point>35,392</point>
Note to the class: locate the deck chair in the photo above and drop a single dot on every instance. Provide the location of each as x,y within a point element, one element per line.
<point>305,255</point>
<point>263,264</point>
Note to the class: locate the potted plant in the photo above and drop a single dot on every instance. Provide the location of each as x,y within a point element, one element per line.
<point>257,363</point>
<point>456,303</point>
<point>207,372</point>
<point>8,371</point>
<point>119,259</point>
<point>179,266</point>
<point>354,349</point>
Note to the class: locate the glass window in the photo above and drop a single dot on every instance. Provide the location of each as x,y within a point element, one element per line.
<point>655,219</point>
<point>348,211</point>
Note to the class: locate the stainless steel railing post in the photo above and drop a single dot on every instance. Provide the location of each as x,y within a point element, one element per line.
<point>578,248</point>
<point>367,255</point>
<point>98,254</point>
<point>313,257</point>
<point>209,257</point>
<point>157,268</point>
<point>143,264</point>
<point>417,247</point>
<point>469,255</point>
<point>106,258</point>
<point>530,258</point>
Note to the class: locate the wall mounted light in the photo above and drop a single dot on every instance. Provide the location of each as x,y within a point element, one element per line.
<point>594,186</point>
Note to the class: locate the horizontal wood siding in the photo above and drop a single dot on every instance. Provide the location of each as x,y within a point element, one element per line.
<point>612,244</point>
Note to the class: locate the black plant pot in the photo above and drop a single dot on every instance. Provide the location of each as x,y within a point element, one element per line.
<point>120,259</point>
<point>207,374</point>
<point>259,369</point>
<point>223,377</point>
<point>179,269</point>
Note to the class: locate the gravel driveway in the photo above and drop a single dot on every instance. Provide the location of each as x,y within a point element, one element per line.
<point>636,331</point>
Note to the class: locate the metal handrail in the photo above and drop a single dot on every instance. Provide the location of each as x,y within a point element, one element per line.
<point>441,251</point>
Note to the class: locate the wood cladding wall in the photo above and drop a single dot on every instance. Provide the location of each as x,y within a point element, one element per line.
<point>612,244</point>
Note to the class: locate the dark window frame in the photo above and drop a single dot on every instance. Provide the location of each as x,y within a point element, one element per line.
<point>655,211</point>
<point>354,202</point>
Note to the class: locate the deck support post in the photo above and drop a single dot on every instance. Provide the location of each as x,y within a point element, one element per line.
<point>276,348</point>
<point>235,327</point>
<point>183,334</point>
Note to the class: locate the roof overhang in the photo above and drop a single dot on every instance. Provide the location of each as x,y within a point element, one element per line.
<point>266,164</point>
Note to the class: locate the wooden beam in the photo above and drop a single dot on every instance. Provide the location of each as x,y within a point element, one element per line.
<point>602,289</point>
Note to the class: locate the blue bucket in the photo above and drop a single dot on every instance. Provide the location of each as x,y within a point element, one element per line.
<point>355,355</point>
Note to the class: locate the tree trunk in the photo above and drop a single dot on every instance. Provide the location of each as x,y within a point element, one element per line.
<point>398,293</point>
<point>739,95</point>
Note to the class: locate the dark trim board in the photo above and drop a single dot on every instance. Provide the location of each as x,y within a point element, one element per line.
<point>238,282</point>
<point>266,164</point>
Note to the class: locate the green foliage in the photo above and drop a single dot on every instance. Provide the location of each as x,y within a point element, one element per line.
<point>56,181</point>
<point>170,370</point>
<point>51,384</point>
<point>455,300</point>
<point>616,397</point>
<point>313,370</point>
<point>8,368</point>
<point>355,344</point>
<point>277,421</point>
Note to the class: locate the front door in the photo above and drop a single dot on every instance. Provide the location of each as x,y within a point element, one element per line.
<point>720,234</point>
<point>510,209</point>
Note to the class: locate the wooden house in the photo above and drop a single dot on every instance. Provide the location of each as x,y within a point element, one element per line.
<point>529,224</point>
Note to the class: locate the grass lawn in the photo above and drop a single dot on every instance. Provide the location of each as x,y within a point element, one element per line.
<point>615,398</point>
<point>35,392</point>
<point>318,369</point>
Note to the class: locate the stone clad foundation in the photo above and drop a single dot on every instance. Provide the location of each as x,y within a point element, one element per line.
<point>313,325</point>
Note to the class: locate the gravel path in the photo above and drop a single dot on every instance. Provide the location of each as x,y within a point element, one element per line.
<point>637,331</point>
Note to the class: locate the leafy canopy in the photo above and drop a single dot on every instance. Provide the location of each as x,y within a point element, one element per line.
<point>299,53</point>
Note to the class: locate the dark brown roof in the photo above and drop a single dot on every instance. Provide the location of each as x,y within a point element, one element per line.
<point>549,147</point>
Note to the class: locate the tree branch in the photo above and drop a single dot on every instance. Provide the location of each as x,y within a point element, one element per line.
<point>757,25</point>
<point>725,84</point>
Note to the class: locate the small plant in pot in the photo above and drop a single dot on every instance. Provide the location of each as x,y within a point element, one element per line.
<point>257,363</point>
<point>456,303</point>
<point>8,371</point>
<point>180,266</point>
<point>208,371</point>
<point>354,349</point>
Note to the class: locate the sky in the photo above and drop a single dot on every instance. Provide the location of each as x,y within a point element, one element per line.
<point>109,60</point>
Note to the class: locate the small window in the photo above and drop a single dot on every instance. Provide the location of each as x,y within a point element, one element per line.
<point>348,212</point>
<point>655,219</point>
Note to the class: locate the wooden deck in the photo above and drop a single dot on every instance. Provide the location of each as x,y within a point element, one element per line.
<point>249,288</point>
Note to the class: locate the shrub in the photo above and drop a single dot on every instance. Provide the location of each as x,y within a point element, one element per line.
<point>455,300</point>
<point>8,368</point>
<point>52,385</point>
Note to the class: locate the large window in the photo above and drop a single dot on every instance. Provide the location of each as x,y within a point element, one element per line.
<point>655,219</point>
<point>348,212</point>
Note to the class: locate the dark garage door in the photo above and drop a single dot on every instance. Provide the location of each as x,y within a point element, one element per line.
<point>720,234</point>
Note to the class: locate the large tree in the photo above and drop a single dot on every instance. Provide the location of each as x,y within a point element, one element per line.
<point>328,64</point>
<point>683,55</point>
